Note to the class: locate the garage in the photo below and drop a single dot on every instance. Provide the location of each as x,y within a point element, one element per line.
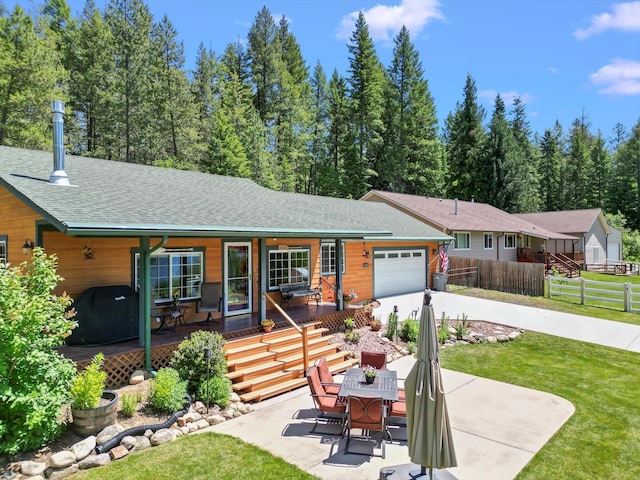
<point>399,271</point>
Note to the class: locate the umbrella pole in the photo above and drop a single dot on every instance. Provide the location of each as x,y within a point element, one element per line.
<point>430,473</point>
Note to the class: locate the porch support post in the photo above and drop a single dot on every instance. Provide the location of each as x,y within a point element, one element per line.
<point>338,250</point>
<point>144,293</point>
<point>263,262</point>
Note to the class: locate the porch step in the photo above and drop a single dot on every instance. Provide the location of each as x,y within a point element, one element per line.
<point>265,365</point>
<point>295,347</point>
<point>285,386</point>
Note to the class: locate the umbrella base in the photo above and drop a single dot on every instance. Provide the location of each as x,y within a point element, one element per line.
<point>408,471</point>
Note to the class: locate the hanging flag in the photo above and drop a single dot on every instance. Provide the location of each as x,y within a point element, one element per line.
<point>444,261</point>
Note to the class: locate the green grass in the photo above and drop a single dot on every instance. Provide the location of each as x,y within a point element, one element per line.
<point>602,439</point>
<point>199,457</point>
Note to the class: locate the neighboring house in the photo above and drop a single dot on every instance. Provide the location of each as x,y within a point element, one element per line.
<point>600,243</point>
<point>479,230</point>
<point>164,231</point>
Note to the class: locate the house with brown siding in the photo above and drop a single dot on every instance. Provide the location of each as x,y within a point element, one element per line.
<point>164,232</point>
<point>479,230</point>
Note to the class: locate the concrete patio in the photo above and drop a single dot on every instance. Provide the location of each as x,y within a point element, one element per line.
<point>497,429</point>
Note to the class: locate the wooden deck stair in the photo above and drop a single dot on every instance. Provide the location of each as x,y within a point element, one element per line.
<point>268,364</point>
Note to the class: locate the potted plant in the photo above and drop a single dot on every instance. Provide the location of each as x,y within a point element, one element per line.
<point>93,407</point>
<point>375,324</point>
<point>346,299</point>
<point>267,324</point>
<point>369,374</point>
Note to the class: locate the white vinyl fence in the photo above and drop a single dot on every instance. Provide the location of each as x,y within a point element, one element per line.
<point>624,295</point>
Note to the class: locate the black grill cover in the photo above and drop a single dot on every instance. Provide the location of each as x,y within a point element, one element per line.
<point>105,315</point>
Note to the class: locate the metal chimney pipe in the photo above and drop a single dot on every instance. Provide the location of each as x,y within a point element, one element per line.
<point>455,206</point>
<point>58,176</point>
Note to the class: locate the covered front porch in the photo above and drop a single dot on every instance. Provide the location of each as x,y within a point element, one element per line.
<point>124,358</point>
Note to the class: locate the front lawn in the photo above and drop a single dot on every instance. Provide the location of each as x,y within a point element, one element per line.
<point>602,439</point>
<point>199,457</point>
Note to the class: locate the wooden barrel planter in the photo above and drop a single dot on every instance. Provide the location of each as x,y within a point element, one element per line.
<point>94,420</point>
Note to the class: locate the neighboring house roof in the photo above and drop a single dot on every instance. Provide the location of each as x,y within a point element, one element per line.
<point>567,221</point>
<point>456,215</point>
<point>124,199</point>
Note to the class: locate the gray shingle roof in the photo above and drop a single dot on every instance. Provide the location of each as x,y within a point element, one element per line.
<point>115,198</point>
<point>458,215</point>
<point>565,221</point>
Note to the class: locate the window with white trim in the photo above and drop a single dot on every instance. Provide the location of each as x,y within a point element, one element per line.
<point>288,266</point>
<point>178,273</point>
<point>3,249</point>
<point>509,240</point>
<point>488,241</point>
<point>462,241</point>
<point>328,258</point>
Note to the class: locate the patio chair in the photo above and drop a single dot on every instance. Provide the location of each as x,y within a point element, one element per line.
<point>210,300</point>
<point>377,360</point>
<point>331,408</point>
<point>331,387</point>
<point>369,415</point>
<point>161,315</point>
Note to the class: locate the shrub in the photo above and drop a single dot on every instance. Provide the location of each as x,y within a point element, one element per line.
<point>190,361</point>
<point>34,377</point>
<point>348,323</point>
<point>130,403</point>
<point>376,324</point>
<point>443,329</point>
<point>393,326</point>
<point>409,330</point>
<point>167,391</point>
<point>352,336</point>
<point>461,330</point>
<point>88,385</point>
<point>218,389</point>
<point>411,348</point>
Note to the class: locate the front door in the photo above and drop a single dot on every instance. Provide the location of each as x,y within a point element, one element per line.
<point>237,278</point>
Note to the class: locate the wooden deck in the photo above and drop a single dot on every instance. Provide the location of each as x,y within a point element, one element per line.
<point>123,358</point>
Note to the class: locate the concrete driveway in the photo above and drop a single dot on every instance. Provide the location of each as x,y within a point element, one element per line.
<point>497,429</point>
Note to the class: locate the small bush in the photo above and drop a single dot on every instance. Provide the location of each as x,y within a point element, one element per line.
<point>352,336</point>
<point>348,323</point>
<point>88,385</point>
<point>376,324</point>
<point>130,403</point>
<point>218,389</point>
<point>190,362</point>
<point>443,329</point>
<point>409,330</point>
<point>411,348</point>
<point>392,328</point>
<point>461,330</point>
<point>167,391</point>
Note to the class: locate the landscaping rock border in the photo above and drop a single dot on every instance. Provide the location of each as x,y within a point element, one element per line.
<point>82,455</point>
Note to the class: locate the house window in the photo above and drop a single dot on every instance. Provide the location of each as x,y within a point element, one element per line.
<point>509,240</point>
<point>488,241</point>
<point>462,241</point>
<point>288,266</point>
<point>174,273</point>
<point>328,258</point>
<point>3,249</point>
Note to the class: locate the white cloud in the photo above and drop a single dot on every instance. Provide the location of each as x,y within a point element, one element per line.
<point>489,96</point>
<point>625,17</point>
<point>618,77</point>
<point>385,21</point>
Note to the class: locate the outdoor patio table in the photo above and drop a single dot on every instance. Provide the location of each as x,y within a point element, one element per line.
<point>385,385</point>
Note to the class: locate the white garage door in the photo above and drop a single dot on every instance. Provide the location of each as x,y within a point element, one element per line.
<point>399,271</point>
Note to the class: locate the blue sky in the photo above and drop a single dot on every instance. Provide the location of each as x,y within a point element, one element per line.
<point>562,57</point>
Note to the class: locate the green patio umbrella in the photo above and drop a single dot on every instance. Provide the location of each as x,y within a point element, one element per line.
<point>428,428</point>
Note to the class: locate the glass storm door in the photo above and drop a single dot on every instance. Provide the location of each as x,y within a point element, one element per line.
<point>237,273</point>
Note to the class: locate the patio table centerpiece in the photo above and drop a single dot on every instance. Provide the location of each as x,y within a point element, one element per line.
<point>369,374</point>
